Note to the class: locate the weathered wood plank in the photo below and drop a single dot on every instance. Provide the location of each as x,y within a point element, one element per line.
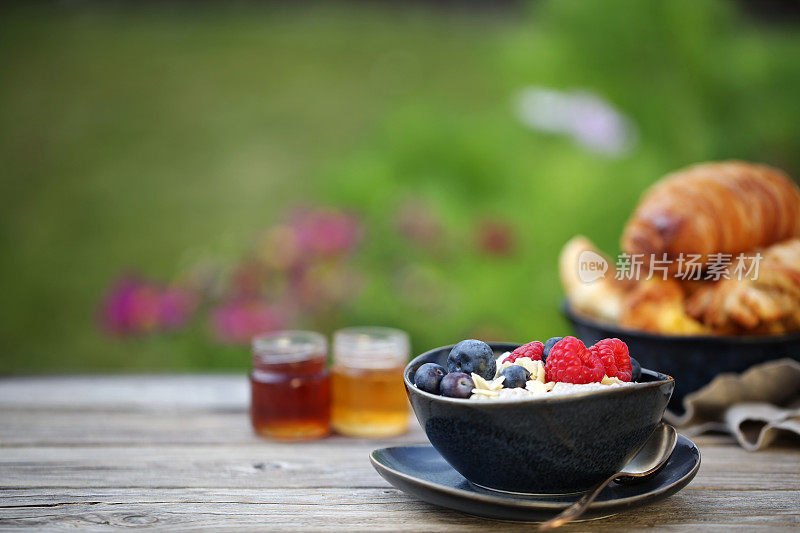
<point>26,427</point>
<point>43,427</point>
<point>358,509</point>
<point>316,464</point>
<point>180,466</point>
<point>216,392</point>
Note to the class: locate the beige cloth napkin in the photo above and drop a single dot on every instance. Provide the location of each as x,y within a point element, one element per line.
<point>755,407</point>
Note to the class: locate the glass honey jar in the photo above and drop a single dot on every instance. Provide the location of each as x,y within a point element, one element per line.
<point>290,385</point>
<point>368,396</point>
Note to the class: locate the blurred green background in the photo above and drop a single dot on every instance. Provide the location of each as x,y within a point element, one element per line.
<point>162,140</point>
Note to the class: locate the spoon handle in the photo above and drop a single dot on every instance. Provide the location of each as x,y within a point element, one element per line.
<point>578,508</point>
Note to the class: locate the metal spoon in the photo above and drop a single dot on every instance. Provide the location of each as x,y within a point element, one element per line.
<point>648,461</point>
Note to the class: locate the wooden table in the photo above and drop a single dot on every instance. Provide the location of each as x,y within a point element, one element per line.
<point>177,452</point>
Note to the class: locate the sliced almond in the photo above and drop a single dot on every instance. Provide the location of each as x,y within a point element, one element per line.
<point>528,364</point>
<point>536,386</point>
<point>497,383</point>
<point>481,383</point>
<point>540,372</point>
<point>609,380</point>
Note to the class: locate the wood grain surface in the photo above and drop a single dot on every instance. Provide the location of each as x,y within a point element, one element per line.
<point>177,453</point>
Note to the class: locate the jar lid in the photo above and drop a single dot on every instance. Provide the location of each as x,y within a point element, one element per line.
<point>370,347</point>
<point>288,346</point>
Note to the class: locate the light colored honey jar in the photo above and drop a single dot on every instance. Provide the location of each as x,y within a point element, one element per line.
<point>368,398</point>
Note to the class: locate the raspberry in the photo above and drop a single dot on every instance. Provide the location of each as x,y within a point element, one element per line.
<point>571,362</point>
<point>532,349</point>
<point>614,355</point>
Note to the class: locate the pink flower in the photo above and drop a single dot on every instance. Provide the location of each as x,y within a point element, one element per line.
<point>238,321</point>
<point>496,237</point>
<point>325,232</point>
<point>135,306</point>
<point>175,306</point>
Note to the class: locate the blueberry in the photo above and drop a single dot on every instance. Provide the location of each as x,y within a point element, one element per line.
<point>428,376</point>
<point>472,356</point>
<point>457,385</point>
<point>548,345</point>
<point>636,370</point>
<point>516,376</point>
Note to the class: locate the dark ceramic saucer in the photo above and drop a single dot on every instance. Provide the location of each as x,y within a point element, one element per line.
<point>421,472</point>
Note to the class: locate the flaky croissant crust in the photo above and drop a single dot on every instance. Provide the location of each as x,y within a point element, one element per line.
<point>724,207</point>
<point>768,303</point>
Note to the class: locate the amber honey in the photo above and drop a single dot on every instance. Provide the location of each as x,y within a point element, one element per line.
<point>368,398</point>
<point>369,403</point>
<point>290,386</point>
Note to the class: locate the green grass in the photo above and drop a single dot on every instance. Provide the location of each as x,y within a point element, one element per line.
<point>145,138</point>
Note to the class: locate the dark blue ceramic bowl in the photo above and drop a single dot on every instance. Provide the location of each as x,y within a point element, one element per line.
<point>693,360</point>
<point>539,445</point>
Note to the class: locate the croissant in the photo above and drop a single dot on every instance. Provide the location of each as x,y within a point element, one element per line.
<point>601,298</point>
<point>656,305</point>
<point>653,305</point>
<point>765,302</point>
<point>726,207</point>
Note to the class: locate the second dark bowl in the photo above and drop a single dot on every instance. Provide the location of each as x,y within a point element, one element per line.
<point>539,445</point>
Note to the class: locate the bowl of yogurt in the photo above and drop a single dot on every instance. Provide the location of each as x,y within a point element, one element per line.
<point>530,429</point>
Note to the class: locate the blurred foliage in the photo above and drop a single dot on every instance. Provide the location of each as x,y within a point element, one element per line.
<point>150,138</point>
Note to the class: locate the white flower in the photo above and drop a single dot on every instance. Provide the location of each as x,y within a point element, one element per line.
<point>583,115</point>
